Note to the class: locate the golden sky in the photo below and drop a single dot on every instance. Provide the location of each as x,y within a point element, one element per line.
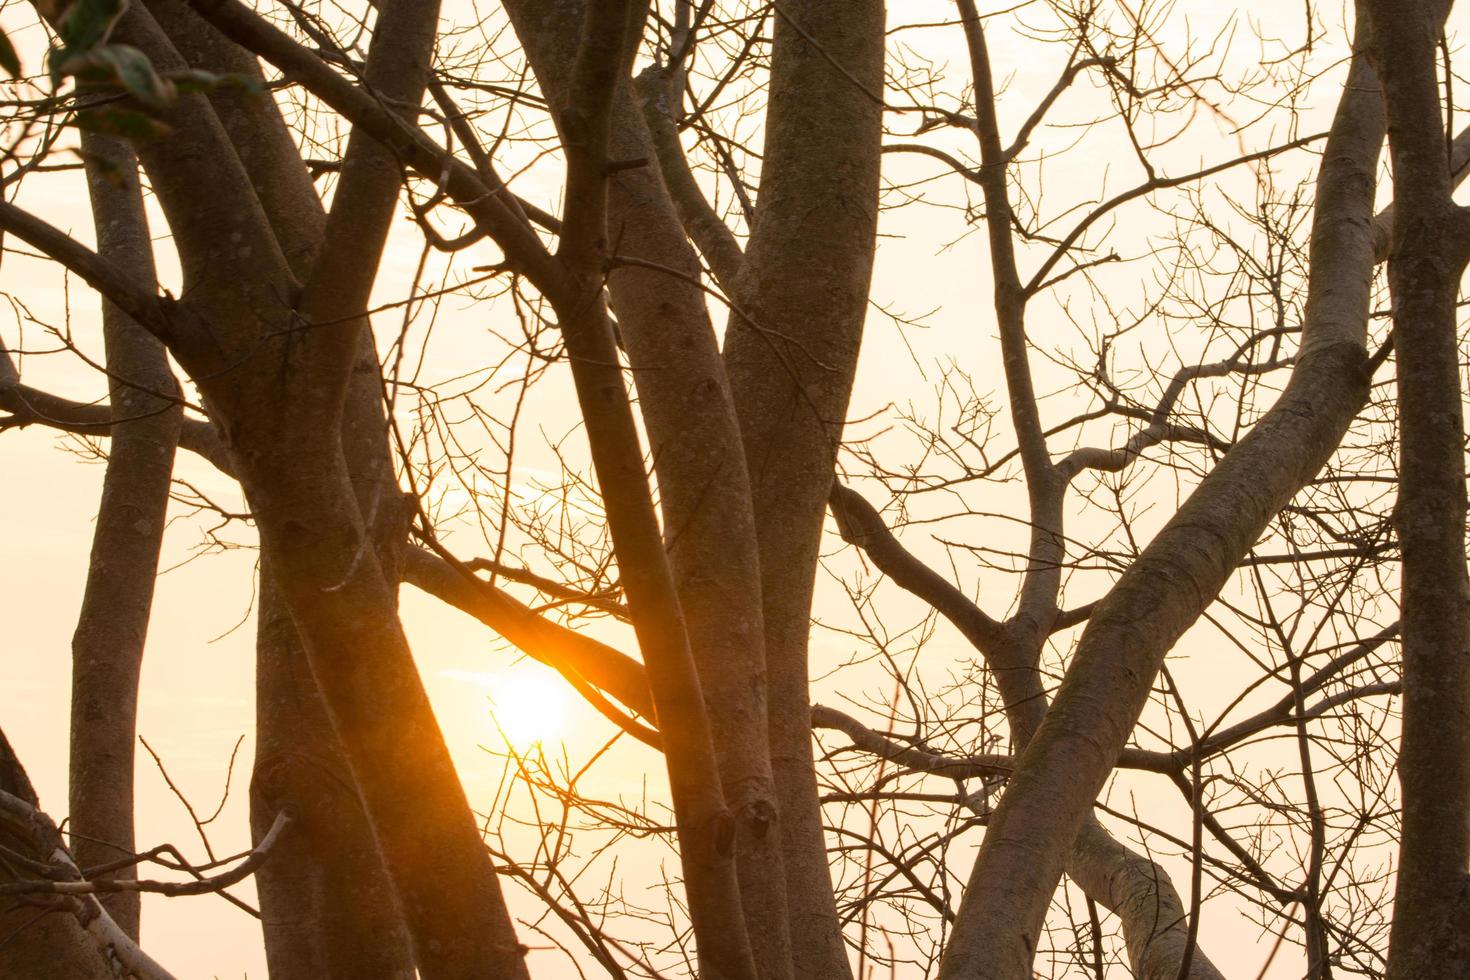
<point>197,696</point>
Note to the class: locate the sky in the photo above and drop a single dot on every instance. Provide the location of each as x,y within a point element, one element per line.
<point>197,703</point>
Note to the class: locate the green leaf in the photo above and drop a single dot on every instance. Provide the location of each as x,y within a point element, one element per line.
<point>9,60</point>
<point>204,82</point>
<point>129,68</point>
<point>135,72</point>
<point>87,23</point>
<point>128,124</point>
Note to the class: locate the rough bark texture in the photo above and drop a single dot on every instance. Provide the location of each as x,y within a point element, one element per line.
<point>327,906</point>
<point>278,394</point>
<point>272,327</point>
<point>107,648</point>
<point>790,354</point>
<point>1430,245</point>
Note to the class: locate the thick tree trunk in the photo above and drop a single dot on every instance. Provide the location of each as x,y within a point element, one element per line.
<point>277,394</point>
<point>327,907</point>
<point>315,926</point>
<point>343,609</point>
<point>804,287</point>
<point>107,648</point>
<point>257,133</point>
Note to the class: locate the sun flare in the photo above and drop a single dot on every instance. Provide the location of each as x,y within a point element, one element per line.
<point>529,706</point>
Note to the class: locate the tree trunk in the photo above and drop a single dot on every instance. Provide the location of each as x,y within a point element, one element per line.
<point>327,907</point>
<point>709,527</point>
<point>277,394</point>
<point>1430,245</point>
<point>316,926</point>
<point>107,648</point>
<point>804,288</point>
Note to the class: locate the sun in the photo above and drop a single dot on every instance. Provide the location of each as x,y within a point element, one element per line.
<point>529,705</point>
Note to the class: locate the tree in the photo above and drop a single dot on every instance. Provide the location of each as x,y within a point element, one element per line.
<point>1435,850</point>
<point>708,302</point>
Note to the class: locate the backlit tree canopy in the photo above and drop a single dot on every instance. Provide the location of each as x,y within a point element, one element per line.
<point>961,490</point>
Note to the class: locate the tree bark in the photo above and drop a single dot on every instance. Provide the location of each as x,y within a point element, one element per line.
<point>317,926</point>
<point>791,354</point>
<point>1430,246</point>
<point>709,525</point>
<point>277,393</point>
<point>107,647</point>
<point>52,935</point>
<point>327,907</point>
<point>1128,884</point>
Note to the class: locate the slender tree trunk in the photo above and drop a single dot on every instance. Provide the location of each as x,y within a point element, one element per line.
<point>1430,245</point>
<point>706,827</point>
<point>107,648</point>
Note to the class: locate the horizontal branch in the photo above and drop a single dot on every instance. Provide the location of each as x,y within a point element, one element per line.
<point>34,825</point>
<point>32,406</point>
<point>605,601</point>
<point>173,889</point>
<point>916,759</point>
<point>1171,763</point>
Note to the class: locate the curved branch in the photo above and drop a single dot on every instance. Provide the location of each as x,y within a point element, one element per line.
<point>716,242</point>
<point>31,824</point>
<point>862,526</point>
<point>32,406</point>
<point>148,309</point>
<point>1159,429</point>
<point>174,889</point>
<point>1183,569</point>
<point>490,208</point>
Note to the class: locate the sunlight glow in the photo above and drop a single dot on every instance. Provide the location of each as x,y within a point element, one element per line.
<point>529,706</point>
